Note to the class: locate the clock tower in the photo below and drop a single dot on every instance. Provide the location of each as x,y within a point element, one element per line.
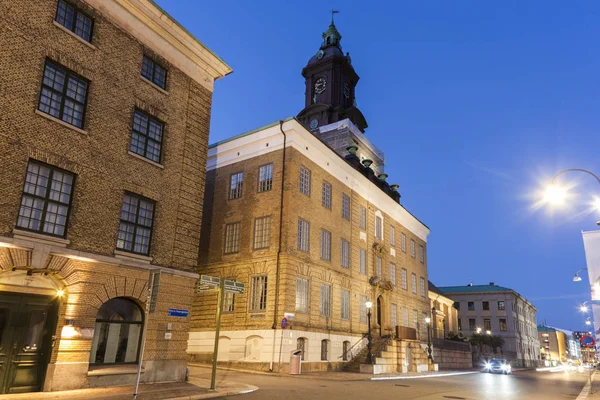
<point>330,85</point>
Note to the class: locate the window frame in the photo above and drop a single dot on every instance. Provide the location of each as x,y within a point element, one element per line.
<point>252,298</point>
<point>327,195</point>
<point>421,254</point>
<point>325,246</point>
<point>404,279</point>
<point>303,239</point>
<point>413,281</point>
<point>472,326</point>
<point>392,236</point>
<point>236,244</point>
<point>378,227</point>
<point>325,307</point>
<point>306,293</point>
<point>268,183</point>
<point>76,11</point>
<point>362,218</point>
<point>146,135</point>
<point>305,181</point>
<point>413,250</point>
<point>470,306</point>
<point>503,308</point>
<point>422,287</point>
<point>345,253</point>
<point>136,224</point>
<point>403,241</point>
<point>393,273</point>
<point>345,305</point>
<point>238,192</point>
<point>379,267</point>
<point>346,207</point>
<point>154,64</point>
<point>362,266</point>
<point>485,305</point>
<point>502,321</point>
<point>266,233</point>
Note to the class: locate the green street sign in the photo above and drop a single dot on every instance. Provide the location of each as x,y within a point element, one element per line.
<point>234,287</point>
<point>208,283</point>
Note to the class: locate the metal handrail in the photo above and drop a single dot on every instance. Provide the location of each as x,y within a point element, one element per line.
<point>353,346</point>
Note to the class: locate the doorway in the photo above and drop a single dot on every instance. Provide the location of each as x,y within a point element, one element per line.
<point>27,323</point>
<point>379,314</point>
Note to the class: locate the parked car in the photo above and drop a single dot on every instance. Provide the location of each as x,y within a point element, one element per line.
<point>497,366</point>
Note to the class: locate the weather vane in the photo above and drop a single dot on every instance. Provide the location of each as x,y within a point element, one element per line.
<point>332,13</point>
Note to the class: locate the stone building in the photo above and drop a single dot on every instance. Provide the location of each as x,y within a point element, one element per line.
<point>313,231</point>
<point>444,316</point>
<point>502,312</point>
<point>555,345</point>
<point>103,142</point>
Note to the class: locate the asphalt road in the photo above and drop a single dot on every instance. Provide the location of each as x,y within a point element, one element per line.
<point>526,385</point>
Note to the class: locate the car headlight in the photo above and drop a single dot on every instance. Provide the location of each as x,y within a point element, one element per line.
<point>488,365</point>
<point>504,367</point>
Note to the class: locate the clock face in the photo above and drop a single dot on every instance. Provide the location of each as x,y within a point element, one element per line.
<point>346,90</point>
<point>314,123</point>
<point>320,85</point>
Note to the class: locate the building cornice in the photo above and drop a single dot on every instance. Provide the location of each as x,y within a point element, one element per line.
<point>156,29</point>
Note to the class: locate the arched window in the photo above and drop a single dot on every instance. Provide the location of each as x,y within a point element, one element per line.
<point>324,350</point>
<point>118,332</point>
<point>301,345</point>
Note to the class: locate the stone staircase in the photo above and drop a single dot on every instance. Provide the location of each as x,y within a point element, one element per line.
<point>384,358</point>
<point>412,357</point>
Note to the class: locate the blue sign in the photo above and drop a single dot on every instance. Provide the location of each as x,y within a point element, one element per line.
<point>174,312</point>
<point>284,323</point>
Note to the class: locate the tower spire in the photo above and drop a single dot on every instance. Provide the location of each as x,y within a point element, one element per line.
<point>332,13</point>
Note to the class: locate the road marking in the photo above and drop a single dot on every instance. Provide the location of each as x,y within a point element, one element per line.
<point>585,392</point>
<point>386,378</point>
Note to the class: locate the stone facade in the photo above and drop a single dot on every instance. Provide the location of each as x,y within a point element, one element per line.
<point>283,263</point>
<point>85,263</point>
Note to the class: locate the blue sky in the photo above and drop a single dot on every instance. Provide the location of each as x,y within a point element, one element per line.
<point>475,103</point>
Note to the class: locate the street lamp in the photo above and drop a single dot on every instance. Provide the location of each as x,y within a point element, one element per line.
<point>577,278</point>
<point>478,330</point>
<point>557,194</point>
<point>588,321</point>
<point>428,322</point>
<point>369,304</point>
<point>488,332</point>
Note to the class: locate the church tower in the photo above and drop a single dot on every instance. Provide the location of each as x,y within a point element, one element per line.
<point>330,85</point>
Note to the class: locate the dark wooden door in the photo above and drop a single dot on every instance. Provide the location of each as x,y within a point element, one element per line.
<point>26,326</point>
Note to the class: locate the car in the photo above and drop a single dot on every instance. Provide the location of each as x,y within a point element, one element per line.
<point>497,366</point>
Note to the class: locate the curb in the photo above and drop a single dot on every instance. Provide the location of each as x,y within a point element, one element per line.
<point>389,378</point>
<point>212,395</point>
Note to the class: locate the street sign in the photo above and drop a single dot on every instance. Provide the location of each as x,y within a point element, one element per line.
<point>174,312</point>
<point>284,323</point>
<point>234,287</point>
<point>587,341</point>
<point>289,316</point>
<point>207,283</point>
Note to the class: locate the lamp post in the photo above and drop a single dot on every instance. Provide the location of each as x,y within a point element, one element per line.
<point>428,322</point>
<point>588,321</point>
<point>478,330</point>
<point>369,304</point>
<point>577,278</point>
<point>556,194</point>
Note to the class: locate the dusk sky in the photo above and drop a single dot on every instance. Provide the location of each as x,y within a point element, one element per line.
<point>475,104</point>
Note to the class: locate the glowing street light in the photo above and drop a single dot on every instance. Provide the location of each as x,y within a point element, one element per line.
<point>588,321</point>
<point>555,194</point>
<point>583,308</point>
<point>478,330</point>
<point>577,278</point>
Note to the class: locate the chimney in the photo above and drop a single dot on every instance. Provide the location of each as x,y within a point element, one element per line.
<point>491,283</point>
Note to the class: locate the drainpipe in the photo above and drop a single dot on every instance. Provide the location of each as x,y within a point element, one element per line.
<point>276,313</point>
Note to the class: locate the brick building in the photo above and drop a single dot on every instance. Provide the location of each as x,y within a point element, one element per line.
<point>103,141</point>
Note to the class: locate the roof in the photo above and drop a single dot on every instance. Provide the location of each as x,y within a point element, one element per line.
<point>241,135</point>
<point>434,289</point>
<point>473,289</point>
<point>542,328</point>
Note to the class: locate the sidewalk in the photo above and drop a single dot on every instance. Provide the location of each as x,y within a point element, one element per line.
<point>196,388</point>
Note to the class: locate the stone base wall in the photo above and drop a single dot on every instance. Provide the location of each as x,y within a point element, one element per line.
<point>452,359</point>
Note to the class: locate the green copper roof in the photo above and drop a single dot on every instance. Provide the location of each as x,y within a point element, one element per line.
<point>473,289</point>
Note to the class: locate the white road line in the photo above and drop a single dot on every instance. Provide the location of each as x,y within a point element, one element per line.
<point>387,378</point>
<point>585,392</point>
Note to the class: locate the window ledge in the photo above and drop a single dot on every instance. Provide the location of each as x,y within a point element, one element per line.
<point>40,238</point>
<point>154,85</point>
<point>131,153</point>
<point>63,123</point>
<point>132,256</point>
<point>82,40</point>
<point>100,370</point>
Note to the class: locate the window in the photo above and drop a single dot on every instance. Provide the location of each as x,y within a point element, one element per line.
<point>423,287</point>
<point>345,256</point>
<point>345,314</point>
<point>393,273</point>
<point>424,318</point>
<point>325,245</point>
<point>345,207</point>
<point>412,248</point>
<point>324,349</point>
<point>46,199</point>
<point>301,345</point>
<point>416,319</point>
<point>325,300</point>
<point>302,292</point>
<point>74,20</point>
<point>363,309</point>
<point>403,242</point>
<point>471,324</point>
<point>228,302</point>
<point>392,236</point>
<point>487,324</point>
<point>63,94</point>
<point>378,227</point>
<point>154,72</point>
<point>457,305</point>
<point>135,228</point>
<point>471,306</point>
<point>146,136</point>
<point>503,325</point>
<point>485,305</point>
<point>326,195</point>
<point>303,235</point>
<point>459,325</point>
<point>405,316</point>
<point>117,333</point>
<point>362,223</point>
<point>501,305</point>
<point>262,232</point>
<point>265,178</point>
<point>236,185</point>
<point>404,279</point>
<point>421,254</point>
<point>414,283</point>
<point>346,350</point>
<point>232,238</point>
<point>305,181</point>
<point>362,260</point>
<point>378,271</point>
<point>394,311</point>
<point>258,293</point>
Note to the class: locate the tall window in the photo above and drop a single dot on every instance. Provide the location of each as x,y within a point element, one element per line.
<point>471,306</point>
<point>228,302</point>
<point>485,305</point>
<point>487,324</point>
<point>423,287</point>
<point>302,292</point>
<point>265,178</point>
<point>117,333</point>
<point>393,273</point>
<point>378,268</point>
<point>345,256</point>
<point>326,195</point>
<point>416,319</point>
<point>258,293</point>
<point>236,185</point>
<point>63,94</point>
<point>362,261</point>
<point>74,20</point>
<point>146,136</point>
<point>363,309</point>
<point>345,207</point>
<point>378,227</point>
<point>412,248</point>
<point>232,238</point>
<point>394,311</point>
<point>472,324</point>
<point>324,350</point>
<point>135,228</point>
<point>405,316</point>
<point>362,223</point>
<point>325,300</point>
<point>414,283</point>
<point>46,199</point>
<point>421,254</point>
<point>403,242</point>
<point>154,72</point>
<point>501,305</point>
<point>404,279</point>
<point>262,232</point>
<point>345,314</point>
<point>392,236</point>
<point>503,324</point>
<point>305,181</point>
<point>303,235</point>
<point>325,245</point>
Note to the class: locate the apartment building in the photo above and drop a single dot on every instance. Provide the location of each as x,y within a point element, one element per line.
<point>103,141</point>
